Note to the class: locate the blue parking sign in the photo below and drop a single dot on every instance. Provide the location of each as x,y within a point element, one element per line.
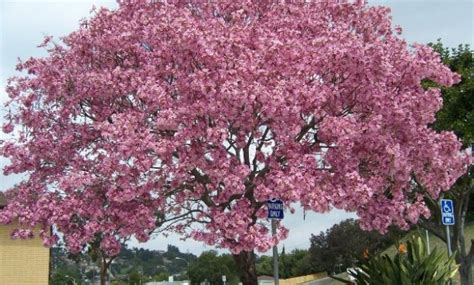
<point>447,206</point>
<point>448,221</point>
<point>447,212</point>
<point>275,209</point>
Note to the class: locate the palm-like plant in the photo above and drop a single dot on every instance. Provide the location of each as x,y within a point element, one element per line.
<point>412,265</point>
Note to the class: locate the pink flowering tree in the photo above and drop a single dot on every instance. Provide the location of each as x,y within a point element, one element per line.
<point>203,112</point>
<point>80,209</point>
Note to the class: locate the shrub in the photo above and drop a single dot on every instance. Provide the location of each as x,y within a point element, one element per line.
<point>412,265</point>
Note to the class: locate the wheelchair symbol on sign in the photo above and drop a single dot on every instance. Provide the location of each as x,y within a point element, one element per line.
<point>447,208</point>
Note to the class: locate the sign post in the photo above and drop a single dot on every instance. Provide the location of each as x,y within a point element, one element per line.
<point>447,217</point>
<point>275,212</point>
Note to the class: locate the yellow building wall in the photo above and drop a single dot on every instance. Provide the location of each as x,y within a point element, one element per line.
<point>302,279</point>
<point>22,262</point>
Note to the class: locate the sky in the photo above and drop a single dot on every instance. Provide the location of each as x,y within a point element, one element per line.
<point>24,23</point>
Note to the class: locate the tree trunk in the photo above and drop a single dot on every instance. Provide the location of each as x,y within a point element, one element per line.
<point>103,271</point>
<point>465,272</point>
<point>465,255</point>
<point>103,276</point>
<point>245,261</point>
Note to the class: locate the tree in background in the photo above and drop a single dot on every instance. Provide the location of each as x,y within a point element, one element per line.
<point>299,262</point>
<point>295,263</point>
<point>457,115</point>
<point>283,264</point>
<point>190,116</point>
<point>63,273</point>
<point>135,277</point>
<point>344,244</point>
<point>264,265</point>
<point>211,267</point>
<point>163,276</point>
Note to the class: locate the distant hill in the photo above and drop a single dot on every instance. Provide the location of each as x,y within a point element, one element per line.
<point>153,262</point>
<point>144,262</point>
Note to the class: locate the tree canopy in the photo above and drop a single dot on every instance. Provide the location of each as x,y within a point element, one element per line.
<point>190,116</point>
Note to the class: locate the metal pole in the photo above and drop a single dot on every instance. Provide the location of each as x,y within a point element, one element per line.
<point>275,256</point>
<point>428,241</point>
<point>448,239</point>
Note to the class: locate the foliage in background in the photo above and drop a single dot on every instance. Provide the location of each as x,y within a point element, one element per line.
<point>457,115</point>
<point>131,265</point>
<point>343,245</point>
<point>211,267</point>
<point>65,275</point>
<point>295,263</point>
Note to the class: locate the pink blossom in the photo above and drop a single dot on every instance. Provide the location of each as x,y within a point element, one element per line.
<point>8,128</point>
<point>203,112</point>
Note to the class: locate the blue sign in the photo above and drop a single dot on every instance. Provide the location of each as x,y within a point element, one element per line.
<point>275,209</point>
<point>447,212</point>
<point>448,221</point>
<point>447,206</point>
